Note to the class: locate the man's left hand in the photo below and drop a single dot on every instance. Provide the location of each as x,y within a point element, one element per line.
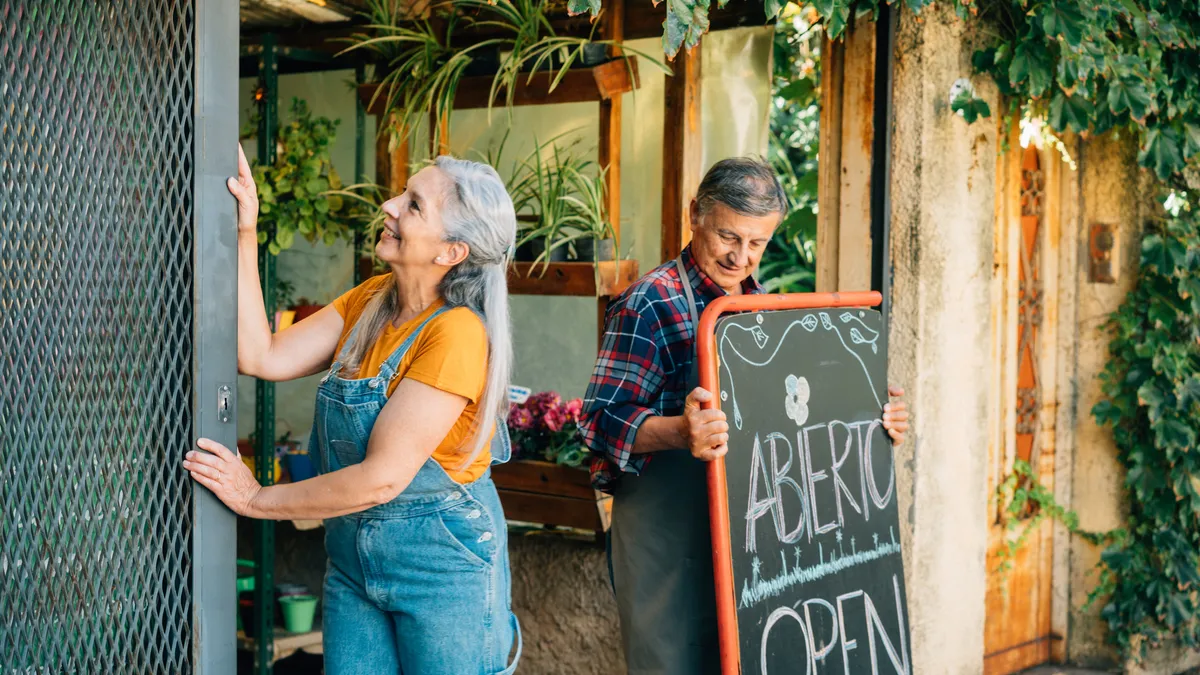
<point>895,416</point>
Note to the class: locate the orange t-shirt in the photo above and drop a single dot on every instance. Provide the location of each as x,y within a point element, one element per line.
<point>451,354</point>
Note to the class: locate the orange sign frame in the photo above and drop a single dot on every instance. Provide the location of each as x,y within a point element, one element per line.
<point>718,491</point>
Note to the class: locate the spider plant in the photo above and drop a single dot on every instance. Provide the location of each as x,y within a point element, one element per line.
<point>540,186</point>
<point>424,68</point>
<point>589,213</point>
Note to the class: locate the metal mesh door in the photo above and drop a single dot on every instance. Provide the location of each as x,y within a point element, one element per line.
<point>96,325</point>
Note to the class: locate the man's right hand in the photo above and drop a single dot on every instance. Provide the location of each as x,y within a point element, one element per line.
<point>705,431</point>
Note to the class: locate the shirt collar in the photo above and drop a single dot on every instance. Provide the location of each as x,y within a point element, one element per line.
<point>708,288</point>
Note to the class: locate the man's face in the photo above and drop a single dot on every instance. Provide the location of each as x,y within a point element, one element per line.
<point>727,245</point>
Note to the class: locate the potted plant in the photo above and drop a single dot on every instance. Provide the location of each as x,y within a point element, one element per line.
<point>595,239</point>
<point>547,428</point>
<point>294,193</point>
<point>422,67</point>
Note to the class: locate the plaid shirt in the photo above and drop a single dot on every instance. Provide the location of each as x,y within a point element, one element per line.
<point>644,363</point>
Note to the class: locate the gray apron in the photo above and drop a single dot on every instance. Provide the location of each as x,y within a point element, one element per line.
<point>661,558</point>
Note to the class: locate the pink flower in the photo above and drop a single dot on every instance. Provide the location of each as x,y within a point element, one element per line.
<point>542,402</point>
<point>554,419</point>
<point>520,418</point>
<point>574,409</point>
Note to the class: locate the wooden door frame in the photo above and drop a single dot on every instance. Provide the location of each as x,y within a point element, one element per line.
<point>1059,264</point>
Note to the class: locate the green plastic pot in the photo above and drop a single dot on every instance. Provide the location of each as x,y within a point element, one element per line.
<point>298,612</point>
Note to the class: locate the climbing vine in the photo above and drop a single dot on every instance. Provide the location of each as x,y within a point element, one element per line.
<point>1152,390</point>
<point>1027,504</point>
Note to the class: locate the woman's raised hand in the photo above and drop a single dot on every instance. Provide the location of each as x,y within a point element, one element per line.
<point>246,192</point>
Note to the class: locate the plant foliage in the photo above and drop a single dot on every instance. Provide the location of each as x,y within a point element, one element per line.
<point>789,263</point>
<point>1152,389</point>
<point>294,193</point>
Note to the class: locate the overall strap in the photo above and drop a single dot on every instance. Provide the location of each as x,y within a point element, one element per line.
<point>388,370</point>
<point>687,291</point>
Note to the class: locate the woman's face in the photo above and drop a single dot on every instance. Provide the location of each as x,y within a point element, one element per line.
<point>413,235</point>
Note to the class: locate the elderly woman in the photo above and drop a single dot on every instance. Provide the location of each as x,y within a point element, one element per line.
<point>406,427</point>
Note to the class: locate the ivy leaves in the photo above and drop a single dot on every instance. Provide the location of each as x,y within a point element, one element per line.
<point>1152,404</point>
<point>1095,66</point>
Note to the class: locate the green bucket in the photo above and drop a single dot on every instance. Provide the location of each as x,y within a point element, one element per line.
<point>298,612</point>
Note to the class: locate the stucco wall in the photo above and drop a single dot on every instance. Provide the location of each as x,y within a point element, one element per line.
<point>943,177</point>
<point>1109,186</point>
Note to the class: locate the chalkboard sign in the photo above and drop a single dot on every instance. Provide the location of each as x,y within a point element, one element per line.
<point>818,577</point>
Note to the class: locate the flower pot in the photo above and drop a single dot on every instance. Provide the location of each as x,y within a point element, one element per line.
<point>538,247</point>
<point>248,460</point>
<point>524,253</point>
<point>300,465</point>
<point>589,250</point>
<point>593,55</point>
<point>305,311</point>
<point>484,61</point>
<point>246,616</point>
<point>298,612</point>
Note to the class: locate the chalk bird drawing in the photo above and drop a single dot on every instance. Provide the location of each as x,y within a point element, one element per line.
<point>859,335</point>
<point>796,401</point>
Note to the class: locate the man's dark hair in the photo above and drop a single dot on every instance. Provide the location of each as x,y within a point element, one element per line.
<point>746,185</point>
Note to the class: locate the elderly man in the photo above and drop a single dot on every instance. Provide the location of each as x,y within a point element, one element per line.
<point>643,421</point>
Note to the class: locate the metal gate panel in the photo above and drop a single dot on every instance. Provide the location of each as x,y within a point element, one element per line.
<point>99,353</point>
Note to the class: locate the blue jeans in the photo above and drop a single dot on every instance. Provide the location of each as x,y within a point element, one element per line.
<point>420,585</point>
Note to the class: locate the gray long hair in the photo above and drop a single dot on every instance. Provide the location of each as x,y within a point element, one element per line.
<point>479,213</point>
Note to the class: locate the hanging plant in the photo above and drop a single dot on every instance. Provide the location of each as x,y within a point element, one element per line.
<point>294,193</point>
<point>421,67</point>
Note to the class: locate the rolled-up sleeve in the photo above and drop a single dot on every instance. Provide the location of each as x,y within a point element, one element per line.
<point>627,378</point>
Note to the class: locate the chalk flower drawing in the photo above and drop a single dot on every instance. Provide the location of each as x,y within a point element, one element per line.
<point>796,401</point>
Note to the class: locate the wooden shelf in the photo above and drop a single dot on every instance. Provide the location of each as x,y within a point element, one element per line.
<point>579,85</point>
<point>286,643</point>
<point>602,279</point>
<point>546,493</point>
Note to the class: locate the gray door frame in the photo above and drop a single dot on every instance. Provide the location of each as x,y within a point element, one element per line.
<point>214,402</point>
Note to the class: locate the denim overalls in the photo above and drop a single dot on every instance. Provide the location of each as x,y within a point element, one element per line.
<point>419,585</point>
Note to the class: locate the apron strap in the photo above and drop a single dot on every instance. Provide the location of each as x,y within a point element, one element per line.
<point>687,291</point>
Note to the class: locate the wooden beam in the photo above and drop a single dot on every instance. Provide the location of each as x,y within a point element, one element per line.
<point>602,279</point>
<point>580,85</point>
<point>681,150</point>
<point>439,144</point>
<point>391,163</point>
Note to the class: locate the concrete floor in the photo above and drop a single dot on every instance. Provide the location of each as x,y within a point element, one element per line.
<point>1062,670</point>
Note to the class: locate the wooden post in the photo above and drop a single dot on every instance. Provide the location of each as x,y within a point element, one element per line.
<point>439,143</point>
<point>847,140</point>
<point>613,28</point>
<point>391,172</point>
<point>610,122</point>
<point>681,151</point>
